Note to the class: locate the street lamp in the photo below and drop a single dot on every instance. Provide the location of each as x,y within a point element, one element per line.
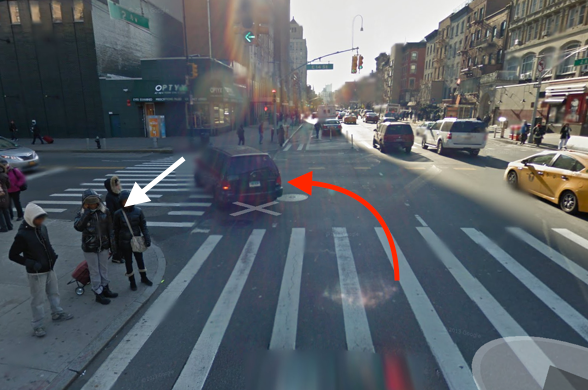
<point>353,29</point>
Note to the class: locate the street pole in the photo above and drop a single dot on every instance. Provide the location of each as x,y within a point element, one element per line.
<point>187,104</point>
<point>209,32</point>
<point>353,29</point>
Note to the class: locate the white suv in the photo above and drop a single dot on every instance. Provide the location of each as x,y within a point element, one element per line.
<point>456,134</point>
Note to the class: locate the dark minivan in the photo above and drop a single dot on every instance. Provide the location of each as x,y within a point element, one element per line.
<point>238,173</point>
<point>393,135</point>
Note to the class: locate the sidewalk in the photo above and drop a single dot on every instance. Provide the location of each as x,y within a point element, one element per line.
<point>109,145</point>
<point>27,362</point>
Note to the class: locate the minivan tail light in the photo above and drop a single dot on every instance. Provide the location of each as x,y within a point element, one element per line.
<point>279,180</point>
<point>485,136</point>
<point>449,136</point>
<point>225,185</point>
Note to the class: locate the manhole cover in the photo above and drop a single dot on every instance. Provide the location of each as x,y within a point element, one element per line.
<point>293,198</point>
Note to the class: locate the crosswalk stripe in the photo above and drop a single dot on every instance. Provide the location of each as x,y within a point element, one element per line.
<point>203,196</point>
<point>107,374</point>
<point>357,330</point>
<point>496,314</point>
<point>573,237</point>
<point>171,224</point>
<point>76,203</point>
<point>166,184</point>
<point>137,179</point>
<point>450,360</point>
<point>188,213</point>
<point>560,307</point>
<point>154,189</point>
<point>48,210</point>
<point>287,147</point>
<point>300,146</point>
<point>80,195</point>
<point>144,172</point>
<point>286,321</point>
<point>138,175</point>
<point>559,259</point>
<point>196,369</point>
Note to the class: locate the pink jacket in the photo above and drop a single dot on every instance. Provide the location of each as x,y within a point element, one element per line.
<point>17,180</point>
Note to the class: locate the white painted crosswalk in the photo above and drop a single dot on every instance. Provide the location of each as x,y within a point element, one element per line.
<point>358,330</point>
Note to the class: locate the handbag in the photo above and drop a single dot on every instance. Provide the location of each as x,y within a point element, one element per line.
<point>24,187</point>
<point>137,242</point>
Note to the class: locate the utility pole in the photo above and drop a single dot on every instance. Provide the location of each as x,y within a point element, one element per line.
<point>187,104</point>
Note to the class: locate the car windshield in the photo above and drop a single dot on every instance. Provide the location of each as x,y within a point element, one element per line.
<point>398,130</point>
<point>468,127</point>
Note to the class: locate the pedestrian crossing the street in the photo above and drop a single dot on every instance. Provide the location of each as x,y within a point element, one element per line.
<point>360,334</point>
<point>188,202</point>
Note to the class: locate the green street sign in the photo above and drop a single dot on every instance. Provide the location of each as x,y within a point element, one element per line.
<point>120,13</point>
<point>319,66</point>
<point>249,36</point>
<point>581,61</point>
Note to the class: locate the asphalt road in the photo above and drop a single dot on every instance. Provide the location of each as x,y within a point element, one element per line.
<point>229,303</point>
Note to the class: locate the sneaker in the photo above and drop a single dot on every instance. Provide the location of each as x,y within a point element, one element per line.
<point>117,261</point>
<point>39,332</point>
<point>63,316</point>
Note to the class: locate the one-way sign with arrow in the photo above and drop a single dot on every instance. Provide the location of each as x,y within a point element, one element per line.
<point>139,195</point>
<point>249,36</point>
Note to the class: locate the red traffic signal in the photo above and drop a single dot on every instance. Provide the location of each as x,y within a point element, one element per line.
<point>128,102</point>
<point>274,91</point>
<point>265,108</point>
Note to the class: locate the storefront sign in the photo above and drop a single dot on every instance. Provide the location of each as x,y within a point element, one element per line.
<point>157,91</point>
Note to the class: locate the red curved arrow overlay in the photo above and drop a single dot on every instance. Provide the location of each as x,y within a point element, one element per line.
<point>305,183</point>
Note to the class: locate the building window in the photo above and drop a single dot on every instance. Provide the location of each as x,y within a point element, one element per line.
<point>502,29</point>
<point>539,5</point>
<point>499,56</point>
<point>530,32</point>
<point>572,17</point>
<point>494,32</point>
<point>527,64</point>
<point>14,12</point>
<point>35,12</point>
<point>490,58</point>
<point>567,65</point>
<point>523,9</point>
<point>547,56</point>
<point>414,55</point>
<point>548,26</point>
<point>462,25</point>
<point>411,82</point>
<point>481,13</point>
<point>517,11</point>
<point>556,24</point>
<point>533,6</point>
<point>413,68</point>
<point>483,60</point>
<point>478,35</point>
<point>56,11</point>
<point>581,14</point>
<point>78,10</point>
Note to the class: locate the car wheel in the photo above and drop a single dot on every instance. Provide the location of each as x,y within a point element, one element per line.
<point>568,202</point>
<point>374,143</point>
<point>474,152</point>
<point>512,179</point>
<point>407,149</point>
<point>382,149</point>
<point>440,148</point>
<point>424,144</point>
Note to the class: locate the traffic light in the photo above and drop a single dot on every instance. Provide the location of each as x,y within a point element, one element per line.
<point>192,71</point>
<point>354,64</point>
<point>360,65</point>
<point>274,98</point>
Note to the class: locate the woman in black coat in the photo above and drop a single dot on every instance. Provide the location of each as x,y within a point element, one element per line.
<point>5,220</point>
<point>123,237</point>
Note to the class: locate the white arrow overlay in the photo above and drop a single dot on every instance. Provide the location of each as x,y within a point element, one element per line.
<point>139,195</point>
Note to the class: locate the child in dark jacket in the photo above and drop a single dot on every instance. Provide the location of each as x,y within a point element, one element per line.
<point>123,237</point>
<point>32,248</point>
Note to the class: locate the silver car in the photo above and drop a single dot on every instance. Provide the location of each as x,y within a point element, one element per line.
<point>18,156</point>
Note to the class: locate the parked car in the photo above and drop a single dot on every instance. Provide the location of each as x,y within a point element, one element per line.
<point>332,126</point>
<point>397,135</point>
<point>18,156</point>
<point>350,118</point>
<point>560,177</point>
<point>238,173</point>
<point>389,119</point>
<point>420,130</point>
<point>371,117</point>
<point>456,134</point>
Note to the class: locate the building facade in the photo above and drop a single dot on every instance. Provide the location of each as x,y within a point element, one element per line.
<point>298,60</point>
<point>53,54</point>
<point>413,69</point>
<point>441,61</point>
<point>394,74</point>
<point>457,30</point>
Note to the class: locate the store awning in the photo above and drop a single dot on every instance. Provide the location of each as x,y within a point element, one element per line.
<point>220,93</point>
<point>565,90</point>
<point>555,100</point>
<point>159,91</point>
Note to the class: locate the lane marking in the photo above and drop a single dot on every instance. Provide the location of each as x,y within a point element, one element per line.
<point>133,179</point>
<point>362,168</point>
<point>48,210</point>
<point>422,221</point>
<point>100,182</point>
<point>529,354</point>
<point>201,196</point>
<point>251,208</point>
<point>465,169</point>
<point>151,190</point>
<point>171,224</point>
<point>553,301</point>
<point>455,370</point>
<point>138,174</point>
<point>286,320</point>
<point>144,172</point>
<point>300,147</point>
<point>196,369</point>
<point>287,147</point>
<point>316,168</point>
<point>357,329</point>
<point>76,203</point>
<point>105,168</point>
<point>45,173</point>
<point>116,362</point>
<point>189,213</point>
<point>80,195</point>
<point>308,143</point>
<point>573,237</point>
<point>547,251</point>
<point>416,168</point>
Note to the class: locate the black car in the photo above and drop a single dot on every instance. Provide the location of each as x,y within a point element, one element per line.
<point>238,173</point>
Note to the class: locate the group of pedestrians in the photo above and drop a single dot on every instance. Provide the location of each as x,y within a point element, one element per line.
<point>35,131</point>
<point>12,183</point>
<point>109,229</point>
<point>537,134</point>
<point>261,129</point>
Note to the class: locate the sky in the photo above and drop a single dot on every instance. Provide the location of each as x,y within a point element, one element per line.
<point>327,29</point>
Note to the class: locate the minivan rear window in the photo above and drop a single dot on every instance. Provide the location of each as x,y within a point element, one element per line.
<point>398,130</point>
<point>468,127</point>
<point>246,164</point>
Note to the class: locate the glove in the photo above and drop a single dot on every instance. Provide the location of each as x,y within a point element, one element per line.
<point>37,266</point>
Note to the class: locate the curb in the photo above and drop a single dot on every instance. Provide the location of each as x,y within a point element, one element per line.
<point>515,143</point>
<point>84,358</point>
<point>164,150</point>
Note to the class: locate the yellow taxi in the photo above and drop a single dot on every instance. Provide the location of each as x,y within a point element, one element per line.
<point>350,119</point>
<point>558,176</point>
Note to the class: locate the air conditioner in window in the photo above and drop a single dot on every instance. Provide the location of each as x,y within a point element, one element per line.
<point>518,42</point>
<point>525,76</point>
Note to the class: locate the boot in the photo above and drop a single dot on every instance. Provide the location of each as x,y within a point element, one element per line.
<point>133,283</point>
<point>100,298</point>
<point>144,278</point>
<point>107,293</point>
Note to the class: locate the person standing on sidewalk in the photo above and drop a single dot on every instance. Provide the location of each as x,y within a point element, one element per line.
<point>13,131</point>
<point>130,222</point>
<point>281,135</point>
<point>95,223</point>
<point>5,220</point>
<point>36,132</point>
<point>524,132</point>
<point>537,134</point>
<point>32,248</point>
<point>272,131</point>
<point>564,136</point>
<point>241,135</point>
<point>260,133</point>
<point>113,189</point>
<point>317,128</point>
<point>18,181</point>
